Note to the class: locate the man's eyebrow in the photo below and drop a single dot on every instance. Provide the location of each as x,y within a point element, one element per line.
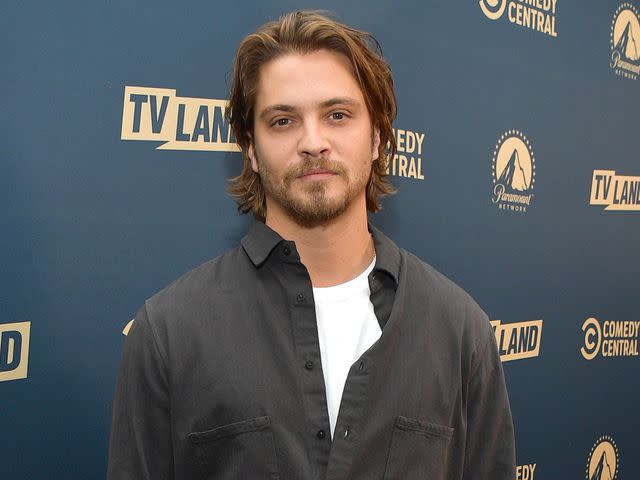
<point>282,107</point>
<point>271,109</point>
<point>348,101</point>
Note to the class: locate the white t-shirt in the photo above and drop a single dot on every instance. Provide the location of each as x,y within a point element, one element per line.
<point>347,327</point>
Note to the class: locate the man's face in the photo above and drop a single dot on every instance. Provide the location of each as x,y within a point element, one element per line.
<point>313,143</point>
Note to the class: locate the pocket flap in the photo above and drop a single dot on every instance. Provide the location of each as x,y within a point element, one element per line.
<point>231,430</point>
<point>423,428</point>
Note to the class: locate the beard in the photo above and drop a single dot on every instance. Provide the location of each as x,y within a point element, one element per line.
<point>309,203</point>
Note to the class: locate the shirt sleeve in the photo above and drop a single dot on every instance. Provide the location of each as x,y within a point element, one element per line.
<point>140,446</point>
<point>490,443</point>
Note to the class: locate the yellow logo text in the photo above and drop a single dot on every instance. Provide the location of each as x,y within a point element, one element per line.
<point>538,15</point>
<point>407,162</point>
<point>610,338</point>
<point>518,340</point>
<point>526,472</point>
<point>183,123</point>
<point>617,192</point>
<point>14,350</point>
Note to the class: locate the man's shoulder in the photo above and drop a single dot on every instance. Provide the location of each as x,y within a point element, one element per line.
<point>438,291</point>
<point>210,279</point>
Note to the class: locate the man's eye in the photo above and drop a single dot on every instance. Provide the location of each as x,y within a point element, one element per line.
<point>337,115</point>
<point>282,122</point>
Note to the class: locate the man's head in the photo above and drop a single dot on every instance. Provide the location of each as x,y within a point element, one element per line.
<point>313,40</point>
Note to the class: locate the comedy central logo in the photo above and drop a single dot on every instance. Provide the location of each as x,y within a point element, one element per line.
<point>610,338</point>
<point>182,123</point>
<point>407,161</point>
<point>513,171</point>
<point>493,9</point>
<point>603,460</point>
<point>538,15</point>
<point>625,42</point>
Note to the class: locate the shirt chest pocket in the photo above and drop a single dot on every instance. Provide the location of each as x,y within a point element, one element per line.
<point>418,450</point>
<point>239,450</point>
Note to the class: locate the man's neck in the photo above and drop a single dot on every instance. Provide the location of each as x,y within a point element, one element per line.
<point>334,252</point>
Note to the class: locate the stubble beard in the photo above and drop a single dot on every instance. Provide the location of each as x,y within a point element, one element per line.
<point>307,202</point>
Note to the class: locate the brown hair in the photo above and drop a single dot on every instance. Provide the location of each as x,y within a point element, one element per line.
<point>305,32</point>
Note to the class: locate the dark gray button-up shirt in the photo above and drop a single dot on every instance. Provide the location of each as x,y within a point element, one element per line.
<point>221,378</point>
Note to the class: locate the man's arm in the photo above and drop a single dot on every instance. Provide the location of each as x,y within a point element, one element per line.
<point>140,441</point>
<point>490,446</point>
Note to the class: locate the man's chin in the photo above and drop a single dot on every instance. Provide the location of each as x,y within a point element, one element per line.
<point>311,215</point>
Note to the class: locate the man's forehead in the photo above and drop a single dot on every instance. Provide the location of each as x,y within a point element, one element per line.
<point>319,78</point>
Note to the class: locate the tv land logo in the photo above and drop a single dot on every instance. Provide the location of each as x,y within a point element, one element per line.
<point>519,340</point>
<point>407,162</point>
<point>603,460</point>
<point>617,192</point>
<point>14,350</point>
<point>182,123</point>
<point>625,42</point>
<point>513,172</point>
<point>610,338</point>
<point>538,15</point>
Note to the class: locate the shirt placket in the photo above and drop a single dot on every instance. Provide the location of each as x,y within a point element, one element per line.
<point>305,333</point>
<point>349,423</point>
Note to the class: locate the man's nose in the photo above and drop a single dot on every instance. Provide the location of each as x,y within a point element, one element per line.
<point>313,141</point>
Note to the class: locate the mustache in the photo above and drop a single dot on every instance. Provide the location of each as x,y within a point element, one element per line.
<point>305,165</point>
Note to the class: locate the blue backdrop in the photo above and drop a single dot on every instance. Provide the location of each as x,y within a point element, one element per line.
<point>94,218</point>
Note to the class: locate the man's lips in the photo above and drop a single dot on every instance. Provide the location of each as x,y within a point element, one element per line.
<point>316,174</point>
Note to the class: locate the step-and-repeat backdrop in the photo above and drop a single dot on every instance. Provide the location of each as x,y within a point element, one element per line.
<point>518,174</point>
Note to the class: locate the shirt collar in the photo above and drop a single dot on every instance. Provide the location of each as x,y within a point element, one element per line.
<point>260,241</point>
<point>387,254</point>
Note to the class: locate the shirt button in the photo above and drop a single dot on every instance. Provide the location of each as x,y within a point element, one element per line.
<point>361,366</point>
<point>300,297</point>
<point>286,251</point>
<point>346,431</point>
<point>321,434</point>
<point>309,365</point>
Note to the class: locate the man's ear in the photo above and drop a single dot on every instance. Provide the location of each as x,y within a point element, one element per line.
<point>251,153</point>
<point>376,144</point>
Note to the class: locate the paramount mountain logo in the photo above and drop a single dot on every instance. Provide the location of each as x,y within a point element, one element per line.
<point>625,42</point>
<point>603,460</point>
<point>513,171</point>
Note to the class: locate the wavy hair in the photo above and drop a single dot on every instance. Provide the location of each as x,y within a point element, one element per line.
<point>300,33</point>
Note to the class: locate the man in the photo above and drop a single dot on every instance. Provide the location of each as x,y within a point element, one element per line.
<point>317,348</point>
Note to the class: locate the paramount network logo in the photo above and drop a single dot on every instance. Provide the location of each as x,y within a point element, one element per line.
<point>625,42</point>
<point>603,460</point>
<point>514,172</point>
<point>183,123</point>
<point>14,350</point>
